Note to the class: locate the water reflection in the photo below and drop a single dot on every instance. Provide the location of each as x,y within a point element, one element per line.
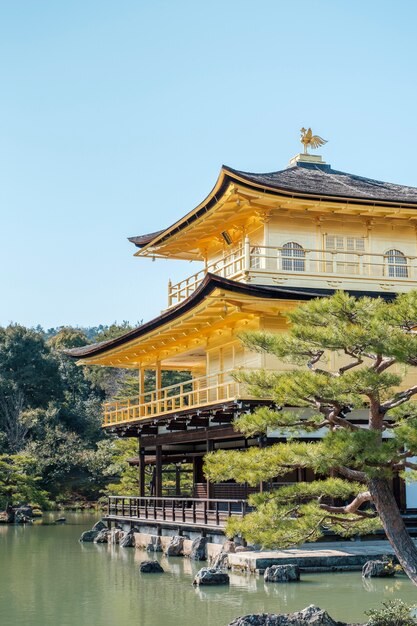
<point>48,578</point>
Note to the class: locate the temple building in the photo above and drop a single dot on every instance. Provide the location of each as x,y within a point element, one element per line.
<point>263,243</point>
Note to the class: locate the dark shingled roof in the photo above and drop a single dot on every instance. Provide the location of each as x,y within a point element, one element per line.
<point>305,179</point>
<point>142,240</point>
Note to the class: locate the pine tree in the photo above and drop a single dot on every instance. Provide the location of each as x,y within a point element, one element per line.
<point>352,358</point>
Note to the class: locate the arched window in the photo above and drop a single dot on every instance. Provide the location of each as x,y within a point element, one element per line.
<point>293,256</point>
<point>397,264</point>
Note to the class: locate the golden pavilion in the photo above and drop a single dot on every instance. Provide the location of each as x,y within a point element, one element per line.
<point>262,243</point>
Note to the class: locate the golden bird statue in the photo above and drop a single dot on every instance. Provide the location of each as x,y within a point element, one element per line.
<point>308,139</point>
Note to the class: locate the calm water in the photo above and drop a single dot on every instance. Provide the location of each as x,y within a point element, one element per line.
<point>47,578</point>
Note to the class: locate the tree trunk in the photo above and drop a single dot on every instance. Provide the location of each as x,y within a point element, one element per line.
<point>397,534</point>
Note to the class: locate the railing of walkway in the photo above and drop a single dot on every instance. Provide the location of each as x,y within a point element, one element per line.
<point>200,512</point>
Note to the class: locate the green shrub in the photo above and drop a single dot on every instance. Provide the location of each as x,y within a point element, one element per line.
<point>393,613</point>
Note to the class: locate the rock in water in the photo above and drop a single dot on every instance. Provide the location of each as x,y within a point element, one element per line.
<point>211,576</point>
<point>115,535</point>
<point>310,616</point>
<point>199,549</point>
<point>282,573</point>
<point>378,569</point>
<point>128,541</point>
<point>100,525</point>
<point>102,536</point>
<point>89,535</point>
<point>150,567</point>
<point>176,546</point>
<point>61,520</point>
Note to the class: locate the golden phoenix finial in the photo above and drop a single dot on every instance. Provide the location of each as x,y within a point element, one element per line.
<point>308,139</point>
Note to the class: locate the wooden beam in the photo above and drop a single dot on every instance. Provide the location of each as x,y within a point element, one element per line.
<point>218,433</point>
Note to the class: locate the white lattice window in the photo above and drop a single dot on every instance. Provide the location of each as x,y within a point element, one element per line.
<point>342,253</point>
<point>348,244</point>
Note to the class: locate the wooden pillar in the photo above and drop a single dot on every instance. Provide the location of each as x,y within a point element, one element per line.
<point>141,470</point>
<point>178,480</point>
<point>209,486</point>
<point>198,476</point>
<point>158,384</point>
<point>141,381</point>
<point>158,472</point>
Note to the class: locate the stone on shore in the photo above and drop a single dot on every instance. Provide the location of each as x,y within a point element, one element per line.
<point>6,517</point>
<point>282,573</point>
<point>176,546</point>
<point>229,547</point>
<point>378,569</point>
<point>199,549</point>
<point>220,561</point>
<point>150,567</point>
<point>310,616</point>
<point>211,576</point>
<point>23,515</point>
<point>89,535</point>
<point>155,544</point>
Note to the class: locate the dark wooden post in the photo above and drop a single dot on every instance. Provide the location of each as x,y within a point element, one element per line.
<point>198,476</point>
<point>158,472</point>
<point>209,488</point>
<point>141,471</point>
<point>178,480</point>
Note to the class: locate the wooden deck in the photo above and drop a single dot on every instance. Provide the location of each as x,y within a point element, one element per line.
<point>176,512</point>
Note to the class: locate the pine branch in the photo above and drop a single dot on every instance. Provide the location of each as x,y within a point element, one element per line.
<point>351,474</point>
<point>352,507</point>
<point>399,399</point>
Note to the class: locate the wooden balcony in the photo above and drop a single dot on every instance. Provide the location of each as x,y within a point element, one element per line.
<point>194,393</point>
<point>295,266</point>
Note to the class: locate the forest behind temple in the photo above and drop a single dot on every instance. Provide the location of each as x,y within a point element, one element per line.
<point>53,451</point>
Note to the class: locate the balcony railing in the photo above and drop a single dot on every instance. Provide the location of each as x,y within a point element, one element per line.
<point>231,266</point>
<point>190,394</point>
<point>268,263</point>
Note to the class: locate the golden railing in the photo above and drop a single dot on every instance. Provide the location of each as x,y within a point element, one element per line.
<point>231,266</point>
<point>192,393</point>
<point>250,261</point>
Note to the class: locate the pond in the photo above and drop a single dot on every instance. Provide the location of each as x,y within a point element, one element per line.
<point>47,578</point>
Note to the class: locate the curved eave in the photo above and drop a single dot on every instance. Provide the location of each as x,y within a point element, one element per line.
<point>211,200</point>
<point>229,176</point>
<point>209,284</point>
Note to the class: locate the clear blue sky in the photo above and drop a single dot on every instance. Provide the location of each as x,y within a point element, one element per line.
<point>115,117</point>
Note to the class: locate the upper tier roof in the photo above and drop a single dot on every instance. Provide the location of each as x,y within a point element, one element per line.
<point>306,178</point>
<point>303,179</point>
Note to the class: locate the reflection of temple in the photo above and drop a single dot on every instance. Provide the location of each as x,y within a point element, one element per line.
<point>265,242</point>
